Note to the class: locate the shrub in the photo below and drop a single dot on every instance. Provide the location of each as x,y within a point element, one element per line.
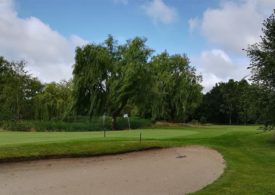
<point>203,120</point>
<point>16,125</point>
<point>83,124</point>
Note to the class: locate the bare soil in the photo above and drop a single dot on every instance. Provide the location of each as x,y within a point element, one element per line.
<point>165,171</point>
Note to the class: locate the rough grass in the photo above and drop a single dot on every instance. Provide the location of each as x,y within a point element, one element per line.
<point>249,153</point>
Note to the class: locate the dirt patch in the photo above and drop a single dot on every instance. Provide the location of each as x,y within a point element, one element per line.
<point>165,171</point>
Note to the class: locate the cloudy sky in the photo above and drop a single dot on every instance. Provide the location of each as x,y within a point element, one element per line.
<point>212,33</point>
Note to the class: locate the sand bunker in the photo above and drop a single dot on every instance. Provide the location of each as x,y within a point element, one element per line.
<point>165,171</point>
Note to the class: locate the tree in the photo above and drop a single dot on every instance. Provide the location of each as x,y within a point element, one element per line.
<point>177,87</point>
<point>5,77</point>
<point>262,65</point>
<point>17,90</point>
<point>231,102</point>
<point>53,101</point>
<point>230,99</point>
<point>108,76</point>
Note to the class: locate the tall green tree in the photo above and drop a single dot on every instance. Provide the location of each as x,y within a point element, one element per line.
<point>53,101</point>
<point>5,87</point>
<point>17,90</point>
<point>209,110</point>
<point>177,87</point>
<point>109,76</point>
<point>262,65</point>
<point>230,97</point>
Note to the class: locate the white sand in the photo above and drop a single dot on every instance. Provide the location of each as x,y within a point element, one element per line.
<point>165,171</point>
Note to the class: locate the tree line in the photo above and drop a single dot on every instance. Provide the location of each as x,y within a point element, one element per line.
<point>233,102</point>
<point>108,79</point>
<point>24,97</point>
<point>242,102</point>
<point>113,79</point>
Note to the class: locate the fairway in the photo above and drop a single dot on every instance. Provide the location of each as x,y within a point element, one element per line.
<point>246,150</point>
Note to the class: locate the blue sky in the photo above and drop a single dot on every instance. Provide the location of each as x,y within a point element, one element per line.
<point>94,20</point>
<point>212,33</point>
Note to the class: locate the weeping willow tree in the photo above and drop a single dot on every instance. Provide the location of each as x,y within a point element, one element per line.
<point>108,76</point>
<point>177,88</point>
<point>53,101</point>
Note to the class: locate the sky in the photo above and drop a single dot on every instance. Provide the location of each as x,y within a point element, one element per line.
<point>212,33</point>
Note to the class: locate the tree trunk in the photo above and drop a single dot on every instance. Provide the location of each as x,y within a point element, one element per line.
<point>114,122</point>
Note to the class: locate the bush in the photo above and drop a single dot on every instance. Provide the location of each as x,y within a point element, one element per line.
<point>203,120</point>
<point>195,122</point>
<point>135,123</point>
<point>16,125</point>
<point>84,124</point>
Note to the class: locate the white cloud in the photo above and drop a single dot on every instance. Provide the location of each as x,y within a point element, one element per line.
<point>77,41</point>
<point>232,27</point>
<point>209,81</point>
<point>193,24</point>
<point>158,11</point>
<point>49,54</point>
<point>218,62</point>
<point>215,66</point>
<point>235,24</point>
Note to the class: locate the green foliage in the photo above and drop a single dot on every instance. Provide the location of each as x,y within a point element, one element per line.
<point>262,55</point>
<point>108,79</point>
<point>17,91</point>
<point>234,102</point>
<point>54,101</point>
<point>16,125</point>
<point>262,65</point>
<point>116,79</point>
<point>85,124</point>
<point>176,86</point>
<point>135,123</point>
<point>108,76</point>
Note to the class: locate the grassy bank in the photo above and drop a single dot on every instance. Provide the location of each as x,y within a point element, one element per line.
<point>249,153</point>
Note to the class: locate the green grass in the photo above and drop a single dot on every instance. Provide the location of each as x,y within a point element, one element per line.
<point>249,153</point>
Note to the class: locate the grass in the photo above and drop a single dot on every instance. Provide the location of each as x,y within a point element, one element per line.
<point>249,153</point>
